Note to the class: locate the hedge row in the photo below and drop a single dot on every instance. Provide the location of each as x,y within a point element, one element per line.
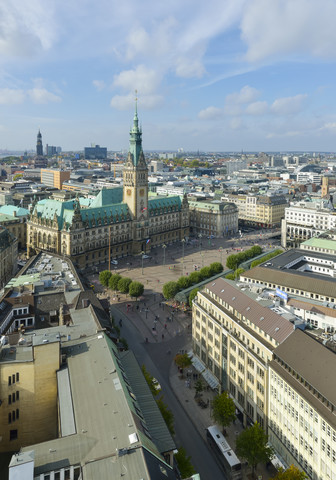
<point>233,261</point>
<point>170,289</point>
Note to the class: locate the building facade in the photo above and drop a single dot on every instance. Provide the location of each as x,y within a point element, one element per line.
<point>302,405</point>
<point>8,255</point>
<point>303,220</point>
<point>118,221</point>
<point>39,145</point>
<point>234,336</point>
<point>259,210</point>
<point>97,152</point>
<point>54,178</point>
<point>213,219</point>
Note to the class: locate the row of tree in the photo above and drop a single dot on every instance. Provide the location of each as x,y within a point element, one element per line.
<point>233,261</point>
<point>170,289</point>
<point>121,284</point>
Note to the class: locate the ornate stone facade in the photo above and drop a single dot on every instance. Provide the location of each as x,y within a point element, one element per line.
<point>118,222</point>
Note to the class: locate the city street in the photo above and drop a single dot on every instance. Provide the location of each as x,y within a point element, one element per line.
<point>156,330</point>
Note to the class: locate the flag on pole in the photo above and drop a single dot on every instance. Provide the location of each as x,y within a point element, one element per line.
<point>147,241</point>
<point>145,208</point>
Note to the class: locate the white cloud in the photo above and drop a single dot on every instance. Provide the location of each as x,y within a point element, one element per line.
<point>329,127</point>
<point>42,95</point>
<point>11,96</point>
<point>26,27</point>
<point>99,84</point>
<point>233,110</point>
<point>287,26</point>
<point>189,67</point>
<point>246,95</point>
<point>236,123</point>
<point>143,79</point>
<point>257,108</point>
<point>210,113</point>
<point>289,105</point>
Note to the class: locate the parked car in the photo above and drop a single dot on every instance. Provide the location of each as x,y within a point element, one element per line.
<point>146,256</point>
<point>114,262</point>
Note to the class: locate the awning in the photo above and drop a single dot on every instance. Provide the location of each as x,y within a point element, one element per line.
<point>197,364</point>
<point>210,379</point>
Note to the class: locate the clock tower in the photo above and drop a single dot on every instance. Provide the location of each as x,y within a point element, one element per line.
<point>135,175</point>
<point>135,188</point>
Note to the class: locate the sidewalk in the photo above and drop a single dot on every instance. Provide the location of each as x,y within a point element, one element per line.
<point>201,417</point>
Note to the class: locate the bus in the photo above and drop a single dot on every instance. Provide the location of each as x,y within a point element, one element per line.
<point>227,457</point>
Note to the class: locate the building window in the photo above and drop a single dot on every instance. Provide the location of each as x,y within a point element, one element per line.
<point>13,435</point>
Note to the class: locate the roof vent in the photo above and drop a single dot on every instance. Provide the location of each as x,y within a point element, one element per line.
<point>262,318</point>
<point>277,329</point>
<point>248,308</point>
<point>213,284</point>
<point>233,298</point>
<point>222,290</point>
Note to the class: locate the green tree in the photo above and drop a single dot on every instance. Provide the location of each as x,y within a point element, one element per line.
<point>292,473</point>
<point>113,281</point>
<point>184,463</point>
<point>205,272</point>
<point>136,289</point>
<point>238,272</point>
<point>104,277</point>
<point>192,295</point>
<point>194,163</point>
<point>199,387</point>
<point>194,278</point>
<point>256,249</point>
<point>123,284</point>
<point>252,446</point>
<point>230,276</point>
<point>232,262</point>
<point>170,289</point>
<point>223,410</point>
<point>183,283</point>
<point>167,415</point>
<point>216,267</point>
<point>182,361</point>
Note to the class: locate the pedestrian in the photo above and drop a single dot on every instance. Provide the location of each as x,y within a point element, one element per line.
<point>165,325</point>
<point>162,337</point>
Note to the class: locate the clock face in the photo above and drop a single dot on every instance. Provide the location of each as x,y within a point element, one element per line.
<point>142,192</point>
<point>129,192</point>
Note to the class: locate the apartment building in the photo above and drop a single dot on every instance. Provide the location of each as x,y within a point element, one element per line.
<point>234,336</point>
<point>306,219</point>
<point>213,219</point>
<point>8,255</point>
<point>259,210</point>
<point>54,178</point>
<point>302,405</point>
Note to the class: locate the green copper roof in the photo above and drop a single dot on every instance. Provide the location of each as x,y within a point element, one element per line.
<point>135,142</point>
<point>158,203</point>
<point>108,196</point>
<point>11,209</point>
<point>317,242</point>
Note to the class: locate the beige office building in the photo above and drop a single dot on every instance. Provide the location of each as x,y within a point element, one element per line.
<point>234,337</point>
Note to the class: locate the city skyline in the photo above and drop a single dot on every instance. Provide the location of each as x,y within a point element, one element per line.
<point>221,76</point>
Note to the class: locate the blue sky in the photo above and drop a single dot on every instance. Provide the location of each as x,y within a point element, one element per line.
<point>216,75</point>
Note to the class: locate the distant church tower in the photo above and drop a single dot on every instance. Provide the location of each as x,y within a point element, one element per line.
<point>135,187</point>
<point>135,174</point>
<point>39,146</point>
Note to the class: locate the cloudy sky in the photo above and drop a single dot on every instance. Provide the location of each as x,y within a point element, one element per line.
<point>220,75</point>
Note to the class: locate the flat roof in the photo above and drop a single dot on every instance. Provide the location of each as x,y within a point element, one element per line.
<point>274,325</point>
<point>312,361</point>
<point>320,243</point>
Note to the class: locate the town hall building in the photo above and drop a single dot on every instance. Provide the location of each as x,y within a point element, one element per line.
<point>119,221</point>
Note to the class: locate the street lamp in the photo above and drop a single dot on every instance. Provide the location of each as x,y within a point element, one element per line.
<point>142,257</point>
<point>200,241</point>
<point>202,255</point>
<point>221,254</point>
<point>164,254</point>
<point>183,242</point>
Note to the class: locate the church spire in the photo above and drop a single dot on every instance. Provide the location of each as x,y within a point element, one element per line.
<point>135,136</point>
